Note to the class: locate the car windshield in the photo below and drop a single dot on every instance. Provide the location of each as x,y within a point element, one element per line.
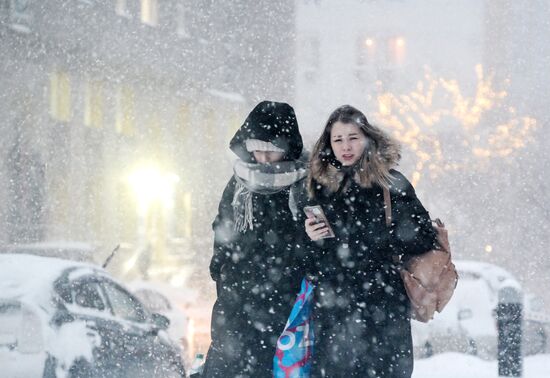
<point>154,301</point>
<point>123,304</point>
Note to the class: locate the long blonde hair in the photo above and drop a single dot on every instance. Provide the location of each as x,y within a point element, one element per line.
<point>373,167</point>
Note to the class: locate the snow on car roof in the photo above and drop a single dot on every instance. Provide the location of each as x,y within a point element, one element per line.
<point>479,266</point>
<point>30,278</point>
<point>496,276</point>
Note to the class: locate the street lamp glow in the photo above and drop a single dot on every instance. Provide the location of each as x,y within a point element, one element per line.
<point>151,185</point>
<point>400,42</point>
<point>369,42</point>
<point>488,248</point>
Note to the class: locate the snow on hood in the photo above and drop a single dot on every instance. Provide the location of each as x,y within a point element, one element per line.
<point>29,279</point>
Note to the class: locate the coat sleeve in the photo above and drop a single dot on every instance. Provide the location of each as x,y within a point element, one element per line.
<point>224,232</point>
<point>412,229</point>
<point>306,250</point>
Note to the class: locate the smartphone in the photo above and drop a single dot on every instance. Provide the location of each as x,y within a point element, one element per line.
<point>318,214</point>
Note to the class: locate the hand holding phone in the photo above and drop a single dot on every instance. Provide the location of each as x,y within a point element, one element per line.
<point>316,212</point>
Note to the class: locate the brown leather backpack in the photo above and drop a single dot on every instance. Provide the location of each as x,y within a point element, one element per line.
<point>430,278</point>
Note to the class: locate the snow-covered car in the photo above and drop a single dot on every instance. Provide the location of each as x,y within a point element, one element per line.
<point>468,323</point>
<point>170,302</point>
<point>60,318</point>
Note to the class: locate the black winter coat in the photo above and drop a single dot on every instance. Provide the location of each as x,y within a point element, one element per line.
<point>361,317</point>
<point>257,281</point>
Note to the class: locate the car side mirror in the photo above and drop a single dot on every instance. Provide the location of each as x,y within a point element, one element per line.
<point>61,317</point>
<point>160,321</point>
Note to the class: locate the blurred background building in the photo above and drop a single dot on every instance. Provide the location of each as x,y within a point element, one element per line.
<point>104,104</point>
<point>116,117</point>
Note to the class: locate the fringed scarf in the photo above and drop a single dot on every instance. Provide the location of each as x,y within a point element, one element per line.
<point>262,179</point>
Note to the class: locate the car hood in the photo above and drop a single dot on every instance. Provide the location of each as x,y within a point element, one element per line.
<point>30,279</point>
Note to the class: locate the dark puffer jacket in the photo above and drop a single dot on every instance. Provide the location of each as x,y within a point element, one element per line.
<point>256,276</point>
<point>361,318</point>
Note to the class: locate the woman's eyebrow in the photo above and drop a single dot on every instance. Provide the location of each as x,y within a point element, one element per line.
<point>348,135</point>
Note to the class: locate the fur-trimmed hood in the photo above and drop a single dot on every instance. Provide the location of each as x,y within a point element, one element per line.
<point>381,154</point>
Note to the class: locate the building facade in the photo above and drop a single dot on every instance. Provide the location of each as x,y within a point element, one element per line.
<point>351,51</point>
<point>116,117</point>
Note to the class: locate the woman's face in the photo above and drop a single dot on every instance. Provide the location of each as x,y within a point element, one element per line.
<point>348,142</point>
<point>263,157</point>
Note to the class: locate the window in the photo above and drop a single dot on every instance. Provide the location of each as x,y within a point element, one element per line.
<point>187,214</point>
<point>149,12</point>
<point>60,96</point>
<point>86,294</point>
<point>123,304</point>
<point>396,50</point>
<point>154,301</point>
<point>124,117</point>
<point>121,8</point>
<point>20,15</point>
<point>311,56</point>
<point>93,104</point>
<point>182,21</point>
<point>365,50</point>
<point>183,122</point>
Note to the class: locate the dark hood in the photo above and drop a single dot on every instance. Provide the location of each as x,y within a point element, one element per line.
<point>273,122</point>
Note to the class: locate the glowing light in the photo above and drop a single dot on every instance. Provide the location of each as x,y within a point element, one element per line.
<point>178,280</point>
<point>150,185</point>
<point>400,42</point>
<point>369,42</point>
<point>417,119</point>
<point>488,248</point>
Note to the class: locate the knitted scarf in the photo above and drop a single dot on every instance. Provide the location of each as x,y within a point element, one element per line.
<point>267,178</point>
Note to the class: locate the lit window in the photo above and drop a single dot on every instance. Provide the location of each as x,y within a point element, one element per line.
<point>187,214</point>
<point>365,50</point>
<point>149,12</point>
<point>396,50</point>
<point>183,122</point>
<point>60,96</point>
<point>93,104</point>
<point>124,118</point>
<point>235,122</point>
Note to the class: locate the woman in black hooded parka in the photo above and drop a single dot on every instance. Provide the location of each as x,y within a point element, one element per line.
<point>253,264</point>
<point>361,316</point>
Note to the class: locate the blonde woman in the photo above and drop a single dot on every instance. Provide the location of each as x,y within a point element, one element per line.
<point>361,317</point>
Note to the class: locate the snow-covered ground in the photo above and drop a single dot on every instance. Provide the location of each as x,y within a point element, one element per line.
<point>457,365</point>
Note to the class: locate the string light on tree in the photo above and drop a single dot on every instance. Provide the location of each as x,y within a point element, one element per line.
<point>437,114</point>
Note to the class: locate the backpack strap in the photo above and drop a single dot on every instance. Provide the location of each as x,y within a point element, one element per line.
<point>387,207</point>
<point>397,259</point>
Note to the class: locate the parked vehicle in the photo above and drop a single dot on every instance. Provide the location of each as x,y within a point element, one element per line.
<point>170,302</point>
<point>468,323</point>
<point>61,318</point>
